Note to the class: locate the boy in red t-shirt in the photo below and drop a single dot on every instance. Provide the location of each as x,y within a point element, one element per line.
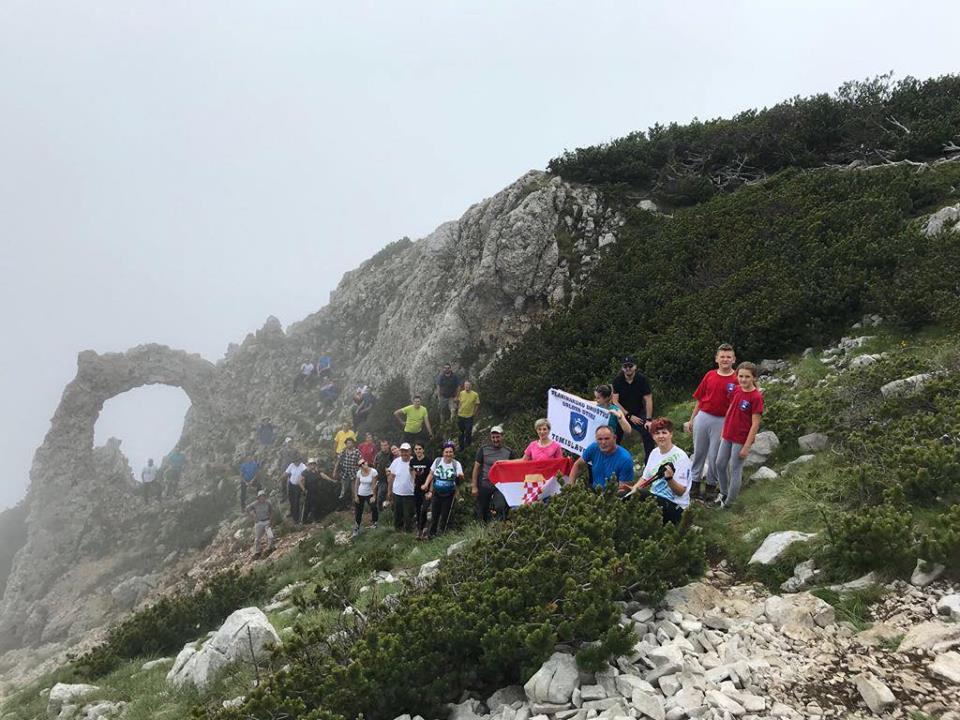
<point>739,431</point>
<point>706,421</point>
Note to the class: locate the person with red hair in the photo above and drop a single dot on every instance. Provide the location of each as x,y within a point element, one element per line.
<point>666,477</point>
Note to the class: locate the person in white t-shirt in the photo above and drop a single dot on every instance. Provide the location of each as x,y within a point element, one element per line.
<point>294,476</point>
<point>441,489</point>
<point>400,490</point>
<point>365,491</point>
<point>149,476</point>
<point>305,374</point>
<point>666,477</point>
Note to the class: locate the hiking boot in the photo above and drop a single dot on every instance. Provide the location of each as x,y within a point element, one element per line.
<point>711,493</point>
<point>695,491</point>
<point>356,531</point>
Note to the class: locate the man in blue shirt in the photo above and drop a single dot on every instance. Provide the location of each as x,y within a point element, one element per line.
<point>606,459</point>
<point>249,469</point>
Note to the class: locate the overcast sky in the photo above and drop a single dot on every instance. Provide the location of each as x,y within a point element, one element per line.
<point>177,171</point>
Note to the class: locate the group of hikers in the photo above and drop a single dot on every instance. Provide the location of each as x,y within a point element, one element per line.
<point>378,473</point>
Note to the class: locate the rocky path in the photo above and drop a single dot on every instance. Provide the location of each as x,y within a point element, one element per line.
<point>718,650</point>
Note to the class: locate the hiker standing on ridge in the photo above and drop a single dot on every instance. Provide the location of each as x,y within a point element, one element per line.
<point>345,433</point>
<point>420,467</point>
<point>311,487</point>
<point>413,418</point>
<point>381,462</point>
<point>467,403</point>
<point>305,375</point>
<point>345,469</point>
<point>485,491</point>
<point>294,482</point>
<point>148,476</point>
<point>441,490</point>
<point>740,428</point>
<point>632,392</point>
<point>249,469</point>
<point>262,513</point>
<point>400,490</point>
<point>447,388</point>
<point>713,397</point>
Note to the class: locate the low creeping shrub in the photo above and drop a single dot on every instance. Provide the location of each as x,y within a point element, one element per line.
<point>493,614</point>
<point>171,622</point>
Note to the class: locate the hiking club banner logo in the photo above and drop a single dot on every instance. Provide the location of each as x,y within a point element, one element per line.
<point>573,420</point>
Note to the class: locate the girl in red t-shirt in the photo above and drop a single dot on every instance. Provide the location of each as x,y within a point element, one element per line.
<point>740,426</point>
<point>706,421</point>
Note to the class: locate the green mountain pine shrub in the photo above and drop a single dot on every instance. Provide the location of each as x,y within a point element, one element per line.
<point>871,121</point>
<point>165,626</point>
<point>773,268</point>
<point>492,616</point>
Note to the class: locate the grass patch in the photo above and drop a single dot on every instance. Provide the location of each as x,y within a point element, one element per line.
<point>854,607</point>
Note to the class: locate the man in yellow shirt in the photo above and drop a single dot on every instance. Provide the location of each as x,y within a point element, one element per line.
<point>414,418</point>
<point>340,439</point>
<point>467,403</point>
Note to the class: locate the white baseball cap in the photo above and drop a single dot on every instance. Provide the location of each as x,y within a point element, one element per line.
<point>405,446</point>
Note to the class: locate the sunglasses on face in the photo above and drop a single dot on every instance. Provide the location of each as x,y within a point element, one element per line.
<point>627,366</point>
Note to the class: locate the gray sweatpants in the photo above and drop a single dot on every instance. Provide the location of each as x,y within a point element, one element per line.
<point>260,529</point>
<point>729,469</point>
<point>707,429</point>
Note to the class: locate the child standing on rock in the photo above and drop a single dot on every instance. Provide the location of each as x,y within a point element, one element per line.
<point>713,396</point>
<point>740,428</point>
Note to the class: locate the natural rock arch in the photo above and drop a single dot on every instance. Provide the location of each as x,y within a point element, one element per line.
<point>64,479</point>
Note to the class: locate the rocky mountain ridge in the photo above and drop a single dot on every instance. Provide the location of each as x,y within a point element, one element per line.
<point>460,294</point>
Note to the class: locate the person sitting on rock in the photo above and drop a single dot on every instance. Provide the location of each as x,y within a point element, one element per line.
<point>328,390</point>
<point>666,476</point>
<point>261,510</point>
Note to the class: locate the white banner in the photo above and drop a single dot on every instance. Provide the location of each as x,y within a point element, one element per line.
<point>573,420</point>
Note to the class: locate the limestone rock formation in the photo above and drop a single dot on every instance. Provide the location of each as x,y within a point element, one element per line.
<point>246,635</point>
<point>461,294</point>
<point>469,288</point>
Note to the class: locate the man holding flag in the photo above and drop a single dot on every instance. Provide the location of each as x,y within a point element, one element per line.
<point>484,489</point>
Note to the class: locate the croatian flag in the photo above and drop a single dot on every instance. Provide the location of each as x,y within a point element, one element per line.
<point>529,481</point>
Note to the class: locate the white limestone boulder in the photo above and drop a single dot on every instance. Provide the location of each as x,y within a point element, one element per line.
<point>66,694</point>
<point>245,636</point>
<point>775,544</point>
<point>555,681</point>
<point>801,609</point>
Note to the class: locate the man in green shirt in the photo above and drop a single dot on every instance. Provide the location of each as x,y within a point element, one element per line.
<point>467,403</point>
<point>413,418</point>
